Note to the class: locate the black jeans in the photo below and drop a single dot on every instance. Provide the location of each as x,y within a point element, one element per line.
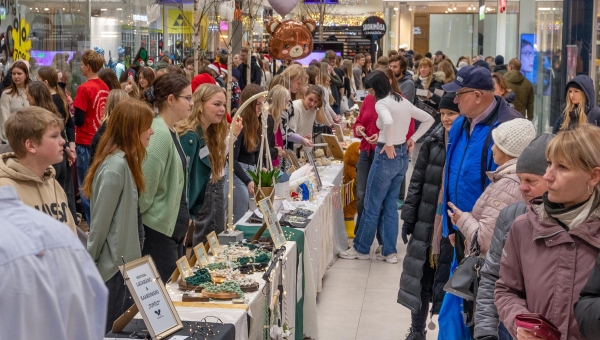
<point>211,216</point>
<point>64,177</point>
<point>119,299</point>
<point>164,250</point>
<point>419,319</point>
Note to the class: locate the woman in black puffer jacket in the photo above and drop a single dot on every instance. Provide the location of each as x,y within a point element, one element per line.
<point>427,262</point>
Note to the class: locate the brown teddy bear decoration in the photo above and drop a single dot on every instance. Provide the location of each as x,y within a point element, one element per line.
<point>291,39</point>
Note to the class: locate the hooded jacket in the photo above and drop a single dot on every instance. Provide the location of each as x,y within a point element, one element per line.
<point>587,309</point>
<point>486,313</point>
<point>407,86</point>
<point>44,195</point>
<point>544,268</point>
<point>523,91</point>
<point>502,69</point>
<point>418,214</point>
<point>502,192</point>
<point>592,111</point>
<point>255,73</point>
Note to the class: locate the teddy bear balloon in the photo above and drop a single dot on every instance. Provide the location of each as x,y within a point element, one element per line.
<point>291,39</point>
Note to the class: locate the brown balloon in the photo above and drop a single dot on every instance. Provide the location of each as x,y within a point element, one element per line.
<point>291,39</point>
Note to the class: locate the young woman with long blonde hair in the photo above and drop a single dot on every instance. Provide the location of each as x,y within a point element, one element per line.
<point>203,137</point>
<point>580,105</point>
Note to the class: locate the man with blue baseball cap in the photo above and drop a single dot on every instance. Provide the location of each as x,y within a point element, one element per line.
<point>469,154</point>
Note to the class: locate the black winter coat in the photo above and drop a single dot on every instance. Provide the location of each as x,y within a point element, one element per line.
<point>587,309</point>
<point>592,111</point>
<point>418,214</point>
<point>255,73</point>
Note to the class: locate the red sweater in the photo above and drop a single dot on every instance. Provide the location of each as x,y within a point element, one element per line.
<point>368,118</point>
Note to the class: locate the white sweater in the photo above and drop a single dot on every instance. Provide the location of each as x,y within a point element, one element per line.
<point>303,120</point>
<point>394,120</point>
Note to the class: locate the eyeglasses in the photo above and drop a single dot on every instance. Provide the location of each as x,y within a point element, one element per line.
<point>459,93</point>
<point>528,54</point>
<point>188,98</point>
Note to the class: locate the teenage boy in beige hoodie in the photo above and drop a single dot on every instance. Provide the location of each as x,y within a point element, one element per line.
<point>33,134</point>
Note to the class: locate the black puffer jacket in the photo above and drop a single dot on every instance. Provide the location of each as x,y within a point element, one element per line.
<point>587,309</point>
<point>592,111</point>
<point>418,214</point>
<point>486,313</point>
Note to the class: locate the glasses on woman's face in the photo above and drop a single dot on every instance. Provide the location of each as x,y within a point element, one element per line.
<point>188,98</point>
<point>527,54</point>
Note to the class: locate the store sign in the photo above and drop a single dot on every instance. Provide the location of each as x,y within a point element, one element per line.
<point>416,30</point>
<point>22,44</point>
<point>151,297</point>
<point>179,22</point>
<point>374,28</point>
<point>140,17</point>
<point>41,27</point>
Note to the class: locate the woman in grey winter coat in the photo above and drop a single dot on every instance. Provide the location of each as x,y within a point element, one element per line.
<point>531,166</point>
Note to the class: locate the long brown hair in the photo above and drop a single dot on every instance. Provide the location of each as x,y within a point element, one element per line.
<point>50,75</point>
<point>250,119</point>
<point>128,121</point>
<point>12,89</point>
<point>429,63</point>
<point>109,77</point>
<point>214,135</point>
<point>41,94</point>
<point>148,74</point>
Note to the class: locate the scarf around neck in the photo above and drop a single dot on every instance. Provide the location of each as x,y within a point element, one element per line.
<point>572,216</point>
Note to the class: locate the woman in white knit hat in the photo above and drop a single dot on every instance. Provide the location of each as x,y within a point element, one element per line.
<point>510,139</point>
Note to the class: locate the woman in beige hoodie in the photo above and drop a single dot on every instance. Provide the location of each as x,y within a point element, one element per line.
<point>510,139</point>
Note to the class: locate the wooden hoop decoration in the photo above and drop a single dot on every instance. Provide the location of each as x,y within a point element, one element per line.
<point>230,227</point>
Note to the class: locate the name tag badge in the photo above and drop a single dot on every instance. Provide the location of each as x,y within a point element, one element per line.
<point>204,152</point>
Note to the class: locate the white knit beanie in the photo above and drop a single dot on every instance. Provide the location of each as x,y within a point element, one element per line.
<point>512,137</point>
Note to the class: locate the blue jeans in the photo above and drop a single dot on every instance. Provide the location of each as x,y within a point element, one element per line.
<point>383,185</point>
<point>365,160</point>
<point>241,196</point>
<point>83,163</point>
<point>503,333</point>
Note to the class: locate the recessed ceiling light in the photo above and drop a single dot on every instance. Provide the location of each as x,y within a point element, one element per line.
<point>119,9</point>
<point>46,9</point>
<point>103,9</point>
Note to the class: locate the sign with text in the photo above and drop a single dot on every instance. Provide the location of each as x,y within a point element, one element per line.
<point>213,241</point>
<point>374,28</point>
<point>151,297</point>
<point>184,267</point>
<point>270,219</point>
<point>201,255</point>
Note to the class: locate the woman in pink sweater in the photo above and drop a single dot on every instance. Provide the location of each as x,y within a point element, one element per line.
<point>510,139</point>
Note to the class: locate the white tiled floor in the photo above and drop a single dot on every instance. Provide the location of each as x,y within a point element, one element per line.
<point>358,301</point>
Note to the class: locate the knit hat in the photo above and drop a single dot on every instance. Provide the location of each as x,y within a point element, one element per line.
<point>214,68</point>
<point>499,60</point>
<point>574,85</point>
<point>447,102</point>
<point>512,137</point>
<point>533,159</point>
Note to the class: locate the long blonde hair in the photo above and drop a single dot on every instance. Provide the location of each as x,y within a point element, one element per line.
<point>114,97</point>
<point>446,67</point>
<point>278,99</point>
<point>430,75</point>
<point>293,73</point>
<point>577,147</point>
<point>579,110</point>
<point>214,135</point>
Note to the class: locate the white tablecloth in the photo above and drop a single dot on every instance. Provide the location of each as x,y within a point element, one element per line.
<point>255,301</point>
<point>325,237</point>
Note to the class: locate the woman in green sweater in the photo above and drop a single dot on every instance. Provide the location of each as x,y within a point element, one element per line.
<point>203,136</point>
<point>113,183</point>
<point>163,204</point>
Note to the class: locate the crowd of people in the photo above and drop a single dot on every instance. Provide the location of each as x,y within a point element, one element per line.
<point>149,148</point>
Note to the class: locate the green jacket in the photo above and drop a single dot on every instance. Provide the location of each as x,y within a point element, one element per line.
<point>165,180</point>
<point>523,92</point>
<point>114,238</point>
<point>200,169</point>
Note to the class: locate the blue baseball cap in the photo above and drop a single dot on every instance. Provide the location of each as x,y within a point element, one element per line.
<point>474,77</point>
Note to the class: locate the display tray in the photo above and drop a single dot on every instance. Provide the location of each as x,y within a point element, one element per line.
<point>250,289</point>
<point>218,279</point>
<point>221,296</point>
<point>185,287</point>
<point>200,298</point>
<point>215,331</point>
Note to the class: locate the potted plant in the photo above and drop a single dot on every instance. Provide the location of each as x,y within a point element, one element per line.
<point>265,181</point>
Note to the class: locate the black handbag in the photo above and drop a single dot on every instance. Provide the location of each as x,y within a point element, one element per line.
<point>464,281</point>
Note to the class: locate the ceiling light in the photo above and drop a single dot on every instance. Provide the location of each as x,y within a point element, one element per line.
<point>446,12</point>
<point>395,8</point>
<point>454,8</point>
<point>409,8</point>
<point>119,9</point>
<point>103,9</point>
<point>46,9</point>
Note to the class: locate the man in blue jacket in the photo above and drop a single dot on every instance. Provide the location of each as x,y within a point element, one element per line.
<point>469,154</point>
